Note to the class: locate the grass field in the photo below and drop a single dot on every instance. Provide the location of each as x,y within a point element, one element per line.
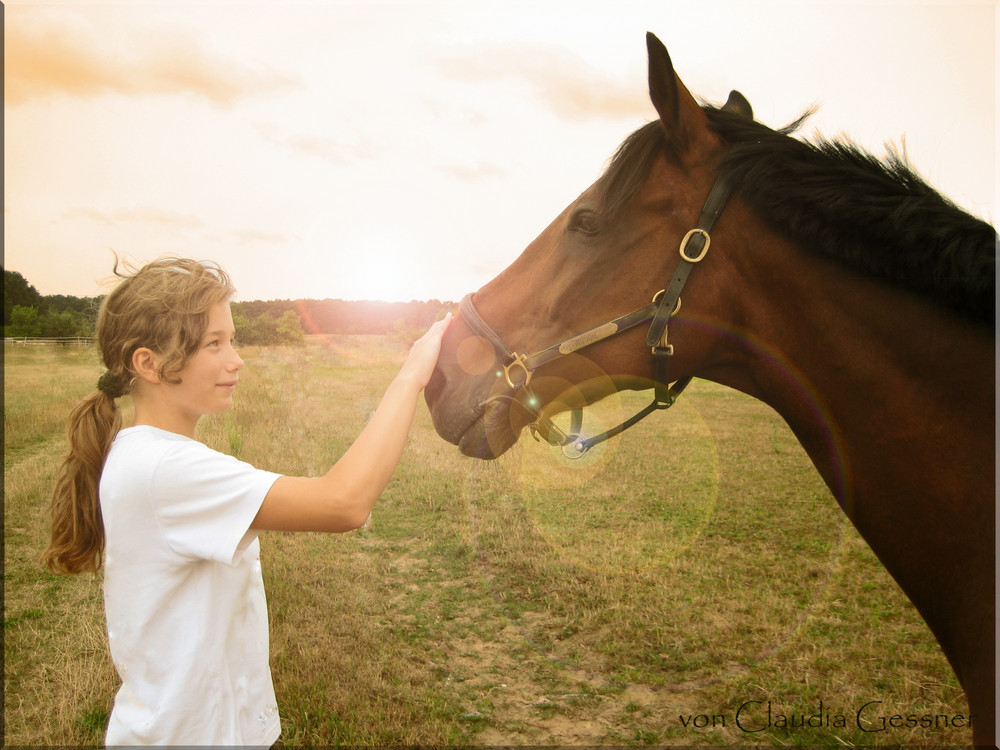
<point>692,583</point>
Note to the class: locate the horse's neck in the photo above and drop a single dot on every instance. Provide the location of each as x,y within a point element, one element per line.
<point>893,399</point>
<point>875,375</point>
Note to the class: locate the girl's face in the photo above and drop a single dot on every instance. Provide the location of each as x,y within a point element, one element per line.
<point>207,380</point>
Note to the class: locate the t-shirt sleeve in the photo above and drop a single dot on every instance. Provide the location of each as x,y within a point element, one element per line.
<point>205,501</point>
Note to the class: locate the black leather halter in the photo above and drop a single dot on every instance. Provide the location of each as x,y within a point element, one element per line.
<point>518,368</point>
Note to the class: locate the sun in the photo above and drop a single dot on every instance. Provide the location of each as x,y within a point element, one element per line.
<point>381,263</point>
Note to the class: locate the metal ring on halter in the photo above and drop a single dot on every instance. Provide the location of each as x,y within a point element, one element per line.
<point>677,307</point>
<point>575,448</point>
<point>518,361</point>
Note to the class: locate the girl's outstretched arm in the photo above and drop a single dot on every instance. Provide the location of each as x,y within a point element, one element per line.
<point>342,499</point>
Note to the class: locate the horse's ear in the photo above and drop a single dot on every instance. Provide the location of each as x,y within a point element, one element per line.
<point>680,115</point>
<point>738,105</point>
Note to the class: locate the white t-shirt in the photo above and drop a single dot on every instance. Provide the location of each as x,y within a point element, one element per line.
<point>183,594</point>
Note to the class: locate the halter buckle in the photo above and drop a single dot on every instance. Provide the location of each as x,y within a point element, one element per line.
<point>518,361</point>
<point>548,430</point>
<point>687,239</point>
<point>659,295</point>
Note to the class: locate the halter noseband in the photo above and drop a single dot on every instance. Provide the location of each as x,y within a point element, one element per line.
<point>664,305</point>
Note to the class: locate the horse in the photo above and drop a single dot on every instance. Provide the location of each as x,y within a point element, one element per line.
<point>836,287</point>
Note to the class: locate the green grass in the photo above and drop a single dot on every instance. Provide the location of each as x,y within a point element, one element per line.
<point>687,568</point>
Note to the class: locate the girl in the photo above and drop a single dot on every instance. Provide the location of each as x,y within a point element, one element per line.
<point>176,523</point>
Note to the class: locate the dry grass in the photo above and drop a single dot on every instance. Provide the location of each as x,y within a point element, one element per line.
<point>695,564</point>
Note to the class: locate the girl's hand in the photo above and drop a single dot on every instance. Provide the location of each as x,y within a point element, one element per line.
<point>419,365</point>
<point>342,499</point>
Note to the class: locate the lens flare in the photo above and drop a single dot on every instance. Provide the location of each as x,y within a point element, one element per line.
<point>610,510</point>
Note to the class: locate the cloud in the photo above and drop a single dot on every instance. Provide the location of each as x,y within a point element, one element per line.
<point>561,80</point>
<point>49,58</point>
<point>321,146</point>
<point>263,237</point>
<point>146,215</point>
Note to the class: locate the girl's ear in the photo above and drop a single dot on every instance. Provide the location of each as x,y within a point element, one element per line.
<point>146,364</point>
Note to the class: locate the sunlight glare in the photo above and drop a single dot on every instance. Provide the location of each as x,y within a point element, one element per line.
<point>381,263</point>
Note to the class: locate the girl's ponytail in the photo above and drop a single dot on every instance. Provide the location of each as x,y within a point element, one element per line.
<point>162,306</point>
<point>77,544</point>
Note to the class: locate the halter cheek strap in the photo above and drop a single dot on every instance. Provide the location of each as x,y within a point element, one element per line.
<point>693,248</point>
<point>518,368</point>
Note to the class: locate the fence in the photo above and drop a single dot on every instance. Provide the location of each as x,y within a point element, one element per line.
<point>35,341</point>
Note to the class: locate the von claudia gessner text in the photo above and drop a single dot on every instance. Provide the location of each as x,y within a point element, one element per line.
<point>758,716</point>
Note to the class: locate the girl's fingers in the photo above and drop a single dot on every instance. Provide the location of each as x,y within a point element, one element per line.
<point>423,356</point>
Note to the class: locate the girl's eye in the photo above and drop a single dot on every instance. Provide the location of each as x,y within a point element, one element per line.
<point>585,221</point>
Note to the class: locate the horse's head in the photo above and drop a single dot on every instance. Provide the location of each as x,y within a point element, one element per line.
<point>608,253</point>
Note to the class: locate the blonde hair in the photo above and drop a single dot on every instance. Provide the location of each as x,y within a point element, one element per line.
<point>162,306</point>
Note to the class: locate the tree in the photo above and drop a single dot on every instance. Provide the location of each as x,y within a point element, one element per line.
<point>64,324</point>
<point>18,292</point>
<point>268,330</point>
<point>289,328</point>
<point>23,322</point>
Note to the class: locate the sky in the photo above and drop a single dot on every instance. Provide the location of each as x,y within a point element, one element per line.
<point>411,150</point>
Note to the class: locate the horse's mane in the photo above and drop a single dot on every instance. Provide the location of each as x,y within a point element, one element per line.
<point>877,217</point>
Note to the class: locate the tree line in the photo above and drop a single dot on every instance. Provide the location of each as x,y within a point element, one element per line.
<point>26,313</point>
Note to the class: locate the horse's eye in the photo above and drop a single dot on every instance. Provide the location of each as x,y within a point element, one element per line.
<point>585,221</point>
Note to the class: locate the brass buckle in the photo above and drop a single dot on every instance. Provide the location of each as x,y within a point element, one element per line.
<point>518,361</point>
<point>687,238</point>
<point>677,307</point>
<point>549,431</point>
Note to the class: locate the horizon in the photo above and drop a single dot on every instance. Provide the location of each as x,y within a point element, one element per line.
<point>250,301</point>
<point>411,151</point>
